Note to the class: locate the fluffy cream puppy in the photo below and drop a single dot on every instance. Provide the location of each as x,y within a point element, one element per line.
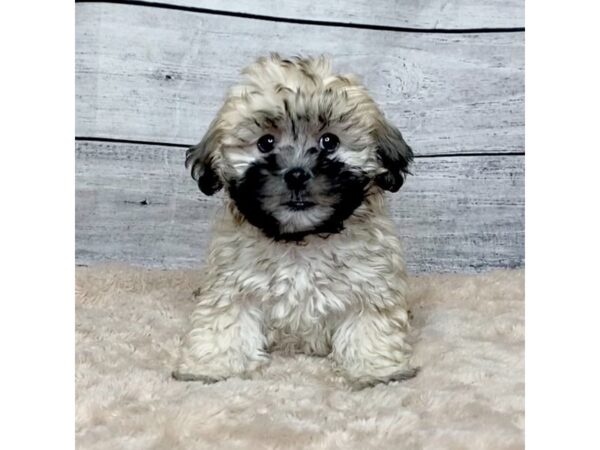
<point>304,257</point>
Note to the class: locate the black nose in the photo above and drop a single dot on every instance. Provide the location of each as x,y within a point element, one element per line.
<point>296,178</point>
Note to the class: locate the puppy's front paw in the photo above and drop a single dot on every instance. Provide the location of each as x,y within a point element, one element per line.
<point>207,372</point>
<point>183,376</point>
<point>403,375</point>
<point>369,380</point>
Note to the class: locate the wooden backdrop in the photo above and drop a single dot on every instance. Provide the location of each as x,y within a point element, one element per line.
<point>450,75</point>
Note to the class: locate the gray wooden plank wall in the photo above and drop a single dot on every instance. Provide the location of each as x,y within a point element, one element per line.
<point>428,14</point>
<point>150,78</point>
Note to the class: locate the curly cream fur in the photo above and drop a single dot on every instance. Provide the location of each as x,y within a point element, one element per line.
<point>342,294</point>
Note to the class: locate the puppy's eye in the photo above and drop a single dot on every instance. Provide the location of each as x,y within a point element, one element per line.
<point>266,143</point>
<point>329,142</point>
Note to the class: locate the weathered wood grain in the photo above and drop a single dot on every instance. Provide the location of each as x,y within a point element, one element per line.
<point>160,75</point>
<point>408,13</point>
<point>137,204</point>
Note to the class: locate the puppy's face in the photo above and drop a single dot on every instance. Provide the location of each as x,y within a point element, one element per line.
<point>298,148</point>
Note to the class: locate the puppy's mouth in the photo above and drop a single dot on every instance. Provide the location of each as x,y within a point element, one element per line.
<point>299,205</point>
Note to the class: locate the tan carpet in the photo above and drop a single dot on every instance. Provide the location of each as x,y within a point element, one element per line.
<point>469,334</point>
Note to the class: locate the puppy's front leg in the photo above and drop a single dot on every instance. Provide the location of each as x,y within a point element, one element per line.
<point>224,341</point>
<point>370,346</point>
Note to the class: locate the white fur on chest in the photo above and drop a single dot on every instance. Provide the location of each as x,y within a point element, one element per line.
<point>302,290</point>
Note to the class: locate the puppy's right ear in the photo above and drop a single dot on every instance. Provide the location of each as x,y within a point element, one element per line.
<point>203,160</point>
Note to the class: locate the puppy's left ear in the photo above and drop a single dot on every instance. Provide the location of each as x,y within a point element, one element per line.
<point>395,156</point>
<point>203,160</point>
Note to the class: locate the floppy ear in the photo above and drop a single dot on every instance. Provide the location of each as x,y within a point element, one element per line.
<point>395,156</point>
<point>202,158</point>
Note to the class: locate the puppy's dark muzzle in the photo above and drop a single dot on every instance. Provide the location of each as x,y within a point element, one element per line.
<point>296,178</point>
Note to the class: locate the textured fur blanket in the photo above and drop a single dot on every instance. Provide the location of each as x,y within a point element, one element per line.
<point>469,393</point>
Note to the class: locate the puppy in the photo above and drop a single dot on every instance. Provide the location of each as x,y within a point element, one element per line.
<point>304,257</point>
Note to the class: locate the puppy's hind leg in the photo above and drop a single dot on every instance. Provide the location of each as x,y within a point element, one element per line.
<point>370,347</point>
<point>224,341</point>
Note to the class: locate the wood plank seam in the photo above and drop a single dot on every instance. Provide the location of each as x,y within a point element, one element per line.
<point>325,23</point>
<point>170,144</point>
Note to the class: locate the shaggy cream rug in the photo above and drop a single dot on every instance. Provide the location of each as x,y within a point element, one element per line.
<point>469,393</point>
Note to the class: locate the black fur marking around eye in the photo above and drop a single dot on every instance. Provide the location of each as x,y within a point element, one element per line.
<point>247,193</point>
<point>349,184</point>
